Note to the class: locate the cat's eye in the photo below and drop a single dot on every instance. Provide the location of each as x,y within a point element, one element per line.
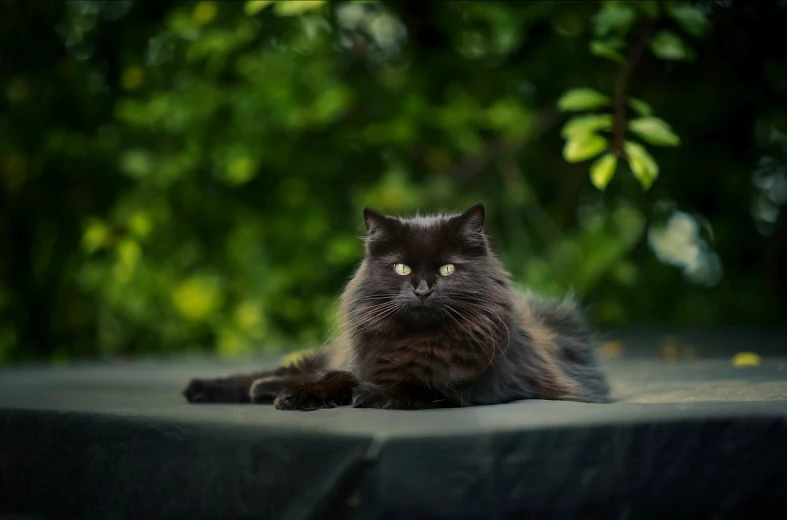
<point>402,269</point>
<point>447,269</point>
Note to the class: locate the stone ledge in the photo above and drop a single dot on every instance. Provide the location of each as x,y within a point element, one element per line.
<point>694,439</point>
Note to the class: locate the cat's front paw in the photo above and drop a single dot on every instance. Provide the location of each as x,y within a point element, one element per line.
<point>307,398</point>
<point>400,397</point>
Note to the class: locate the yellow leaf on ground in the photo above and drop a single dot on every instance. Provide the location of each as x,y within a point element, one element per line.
<point>746,359</point>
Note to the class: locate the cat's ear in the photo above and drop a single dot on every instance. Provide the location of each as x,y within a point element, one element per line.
<point>374,220</point>
<point>472,220</point>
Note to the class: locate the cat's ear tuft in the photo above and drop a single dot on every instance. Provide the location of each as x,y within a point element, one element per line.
<point>371,218</point>
<point>473,219</point>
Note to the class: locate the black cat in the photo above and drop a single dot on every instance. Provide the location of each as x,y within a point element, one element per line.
<point>431,319</point>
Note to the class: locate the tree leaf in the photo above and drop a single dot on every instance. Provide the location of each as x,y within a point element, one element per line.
<point>690,18</point>
<point>586,124</point>
<point>583,147</point>
<point>654,130</point>
<point>606,49</point>
<point>581,99</point>
<point>294,7</point>
<point>613,17</point>
<point>668,46</point>
<point>602,170</point>
<point>642,164</point>
<point>640,107</point>
<point>253,7</point>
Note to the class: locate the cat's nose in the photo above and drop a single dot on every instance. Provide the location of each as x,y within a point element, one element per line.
<point>422,291</point>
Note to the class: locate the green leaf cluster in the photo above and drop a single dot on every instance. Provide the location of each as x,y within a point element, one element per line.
<point>588,136</point>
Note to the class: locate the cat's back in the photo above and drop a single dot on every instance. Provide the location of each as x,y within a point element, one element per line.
<point>552,318</point>
<point>560,330</point>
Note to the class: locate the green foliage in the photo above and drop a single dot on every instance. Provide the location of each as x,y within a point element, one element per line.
<point>611,25</point>
<point>579,126</point>
<point>253,7</point>
<point>583,147</point>
<point>669,46</point>
<point>609,49</point>
<point>640,107</point>
<point>189,177</point>
<point>582,99</point>
<point>613,17</point>
<point>642,164</point>
<point>296,7</point>
<point>690,18</point>
<point>654,131</point>
<point>602,170</point>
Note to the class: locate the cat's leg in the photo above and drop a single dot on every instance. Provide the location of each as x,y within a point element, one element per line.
<point>334,388</point>
<point>236,388</point>
<point>230,389</point>
<point>400,396</point>
<point>264,390</point>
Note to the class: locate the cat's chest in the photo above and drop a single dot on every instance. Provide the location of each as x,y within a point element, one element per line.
<point>427,357</point>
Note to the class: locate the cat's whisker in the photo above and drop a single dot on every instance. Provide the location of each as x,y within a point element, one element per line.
<point>469,334</point>
<point>471,337</point>
<point>344,333</point>
<point>347,314</point>
<point>481,315</point>
<point>332,331</point>
<point>377,297</point>
<point>371,316</point>
<point>497,317</point>
<point>368,317</point>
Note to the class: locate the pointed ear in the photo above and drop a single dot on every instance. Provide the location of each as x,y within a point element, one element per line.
<point>373,219</point>
<point>473,219</point>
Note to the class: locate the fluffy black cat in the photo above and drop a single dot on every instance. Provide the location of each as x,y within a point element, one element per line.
<point>431,319</point>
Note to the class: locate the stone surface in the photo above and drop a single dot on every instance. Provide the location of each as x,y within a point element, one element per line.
<point>689,439</point>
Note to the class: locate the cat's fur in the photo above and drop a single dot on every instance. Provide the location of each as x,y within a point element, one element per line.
<point>473,340</point>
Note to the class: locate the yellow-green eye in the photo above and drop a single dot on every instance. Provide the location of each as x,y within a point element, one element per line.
<point>447,269</point>
<point>402,269</point>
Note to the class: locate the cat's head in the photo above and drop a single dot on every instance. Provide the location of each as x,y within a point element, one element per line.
<point>427,267</point>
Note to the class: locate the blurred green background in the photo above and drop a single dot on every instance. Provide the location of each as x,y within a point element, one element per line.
<point>189,177</point>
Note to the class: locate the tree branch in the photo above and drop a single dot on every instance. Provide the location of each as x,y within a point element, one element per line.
<point>619,123</point>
